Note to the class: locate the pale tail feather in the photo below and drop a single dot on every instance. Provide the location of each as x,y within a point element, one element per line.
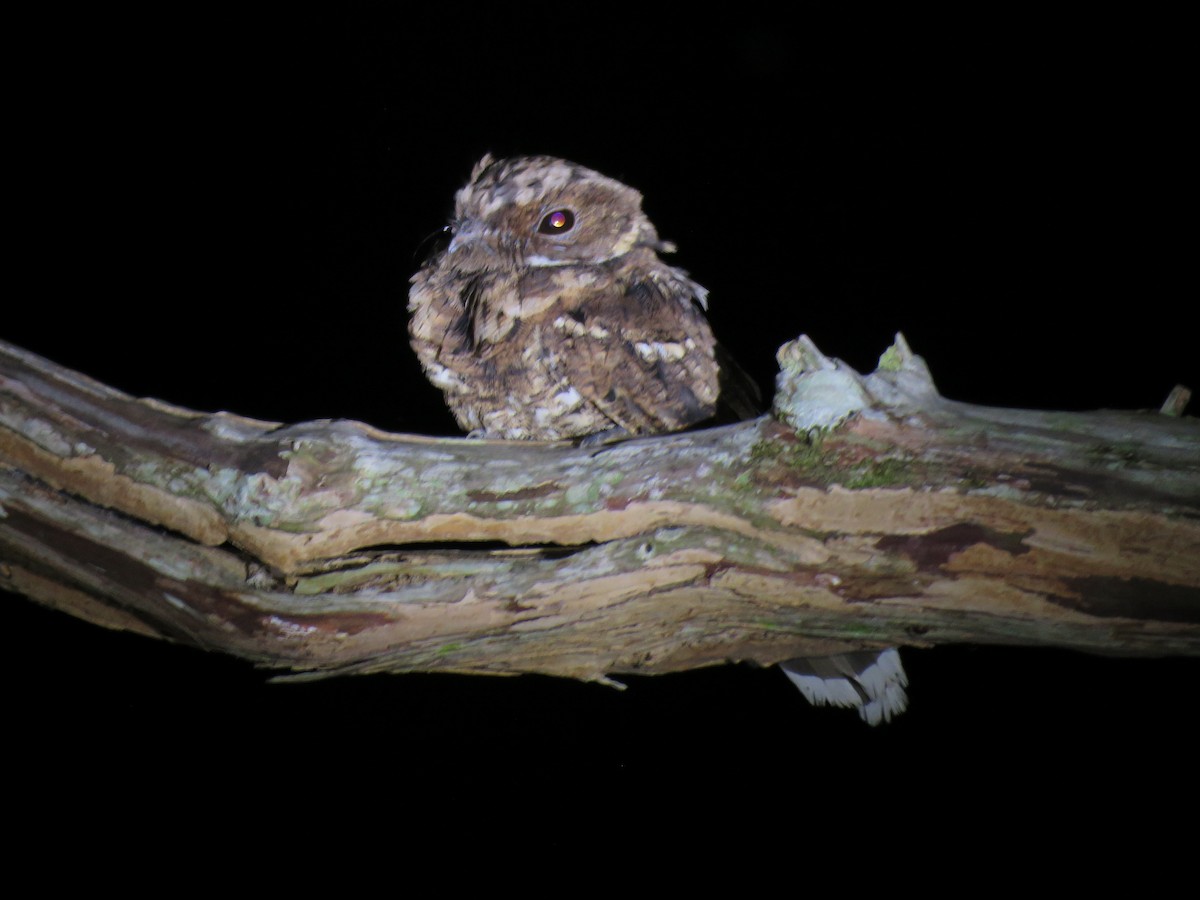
<point>873,682</point>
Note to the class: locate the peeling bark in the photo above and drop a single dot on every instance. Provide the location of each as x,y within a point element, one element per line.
<point>865,511</point>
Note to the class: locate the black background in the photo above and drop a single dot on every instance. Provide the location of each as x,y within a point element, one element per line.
<point>223,212</point>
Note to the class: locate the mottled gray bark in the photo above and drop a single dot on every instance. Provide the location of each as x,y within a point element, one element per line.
<point>865,511</point>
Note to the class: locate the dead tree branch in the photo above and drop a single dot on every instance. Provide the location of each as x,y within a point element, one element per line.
<point>866,511</point>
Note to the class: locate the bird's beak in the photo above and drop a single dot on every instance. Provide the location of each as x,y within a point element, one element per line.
<point>464,233</point>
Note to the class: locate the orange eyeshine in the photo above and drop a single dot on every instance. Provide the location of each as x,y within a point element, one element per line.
<point>557,222</point>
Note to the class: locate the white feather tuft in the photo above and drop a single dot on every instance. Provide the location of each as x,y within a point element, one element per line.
<point>871,682</point>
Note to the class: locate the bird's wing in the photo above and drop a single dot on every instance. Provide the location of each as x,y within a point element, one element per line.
<point>640,351</point>
<point>871,681</point>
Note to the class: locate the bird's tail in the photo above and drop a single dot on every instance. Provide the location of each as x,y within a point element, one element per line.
<point>871,681</point>
<point>739,397</point>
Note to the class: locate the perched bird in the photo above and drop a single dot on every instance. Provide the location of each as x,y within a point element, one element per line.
<point>550,316</point>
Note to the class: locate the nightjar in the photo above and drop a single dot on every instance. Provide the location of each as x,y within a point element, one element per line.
<point>551,316</point>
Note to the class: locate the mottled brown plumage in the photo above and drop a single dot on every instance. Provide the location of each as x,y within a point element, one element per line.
<point>550,314</point>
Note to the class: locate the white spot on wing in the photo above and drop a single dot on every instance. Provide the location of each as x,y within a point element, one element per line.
<point>652,351</point>
<point>443,378</point>
<point>568,399</point>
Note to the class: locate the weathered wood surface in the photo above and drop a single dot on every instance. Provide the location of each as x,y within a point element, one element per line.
<point>865,511</point>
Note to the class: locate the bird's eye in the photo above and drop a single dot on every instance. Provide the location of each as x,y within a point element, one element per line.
<point>558,222</point>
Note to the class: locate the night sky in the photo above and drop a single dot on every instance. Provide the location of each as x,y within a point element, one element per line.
<point>224,214</point>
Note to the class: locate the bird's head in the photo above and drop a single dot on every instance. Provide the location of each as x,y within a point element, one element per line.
<point>536,211</point>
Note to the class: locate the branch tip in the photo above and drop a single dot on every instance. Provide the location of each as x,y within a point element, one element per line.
<point>1176,401</point>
